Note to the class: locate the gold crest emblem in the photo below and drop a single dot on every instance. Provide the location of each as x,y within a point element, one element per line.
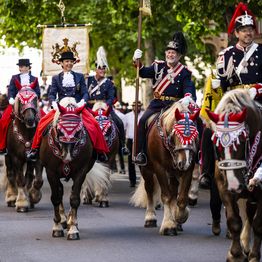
<point>58,50</point>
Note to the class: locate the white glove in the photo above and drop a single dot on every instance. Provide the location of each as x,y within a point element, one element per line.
<point>252,92</point>
<point>137,54</point>
<point>81,103</point>
<point>11,101</point>
<point>215,83</point>
<point>256,179</point>
<point>54,105</point>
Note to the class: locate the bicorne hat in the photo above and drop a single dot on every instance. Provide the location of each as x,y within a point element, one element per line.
<point>23,62</point>
<point>67,56</point>
<point>241,17</point>
<point>178,43</point>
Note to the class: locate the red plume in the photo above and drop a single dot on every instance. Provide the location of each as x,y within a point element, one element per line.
<point>240,10</point>
<point>213,117</point>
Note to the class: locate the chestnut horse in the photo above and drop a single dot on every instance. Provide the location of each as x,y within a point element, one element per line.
<point>101,112</point>
<point>171,147</point>
<point>237,136</point>
<point>3,103</point>
<point>66,152</point>
<point>23,189</point>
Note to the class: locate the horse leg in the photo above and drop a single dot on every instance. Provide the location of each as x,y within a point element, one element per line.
<point>168,195</point>
<point>101,193</point>
<point>234,222</point>
<point>35,193</point>
<point>57,192</point>
<point>182,212</point>
<point>193,192</point>
<point>11,188</point>
<point>255,255</point>
<point>72,224</point>
<point>22,203</point>
<point>150,181</point>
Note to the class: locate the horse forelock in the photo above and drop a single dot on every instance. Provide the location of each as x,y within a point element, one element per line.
<point>99,105</point>
<point>168,116</point>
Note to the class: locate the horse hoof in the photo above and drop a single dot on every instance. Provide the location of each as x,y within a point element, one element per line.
<point>22,209</point>
<point>170,232</point>
<point>192,202</point>
<point>11,203</point>
<point>58,233</point>
<point>228,235</point>
<point>64,225</point>
<point>87,201</point>
<point>150,223</point>
<point>73,236</point>
<point>179,228</point>
<point>103,204</point>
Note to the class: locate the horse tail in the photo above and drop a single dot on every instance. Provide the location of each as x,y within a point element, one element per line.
<point>97,180</point>
<point>139,198</point>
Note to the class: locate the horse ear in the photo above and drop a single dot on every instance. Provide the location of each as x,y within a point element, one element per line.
<point>34,84</point>
<point>79,109</point>
<point>213,117</point>
<point>108,110</point>
<point>238,117</point>
<point>195,115</point>
<point>178,116</point>
<point>62,109</point>
<point>18,84</point>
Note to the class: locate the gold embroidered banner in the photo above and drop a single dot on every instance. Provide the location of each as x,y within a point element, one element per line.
<point>59,40</point>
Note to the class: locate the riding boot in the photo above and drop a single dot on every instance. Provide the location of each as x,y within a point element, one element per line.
<point>3,152</point>
<point>33,155</point>
<point>216,227</point>
<point>141,158</point>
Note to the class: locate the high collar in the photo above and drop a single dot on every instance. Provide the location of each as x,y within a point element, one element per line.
<point>244,49</point>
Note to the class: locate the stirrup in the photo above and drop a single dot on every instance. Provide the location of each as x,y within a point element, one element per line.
<point>125,151</point>
<point>141,159</point>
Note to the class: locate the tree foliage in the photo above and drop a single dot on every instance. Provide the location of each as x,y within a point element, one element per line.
<point>115,24</point>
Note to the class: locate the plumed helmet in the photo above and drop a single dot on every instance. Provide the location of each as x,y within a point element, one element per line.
<point>241,17</point>
<point>178,43</point>
<point>101,60</point>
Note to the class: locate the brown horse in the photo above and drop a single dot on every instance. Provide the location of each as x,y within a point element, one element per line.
<point>171,145</point>
<point>23,189</point>
<point>102,114</point>
<point>237,136</point>
<point>3,103</point>
<point>66,152</point>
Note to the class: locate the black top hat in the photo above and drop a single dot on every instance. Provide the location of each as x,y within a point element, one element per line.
<point>67,56</point>
<point>24,62</point>
<point>178,43</point>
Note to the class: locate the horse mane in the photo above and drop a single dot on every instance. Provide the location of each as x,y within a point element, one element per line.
<point>64,102</point>
<point>234,101</point>
<point>98,105</point>
<point>168,117</point>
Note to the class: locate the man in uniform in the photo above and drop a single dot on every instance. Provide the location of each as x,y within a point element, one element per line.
<point>241,65</point>
<point>101,88</point>
<point>70,84</point>
<point>171,82</point>
<point>19,81</point>
<point>238,66</point>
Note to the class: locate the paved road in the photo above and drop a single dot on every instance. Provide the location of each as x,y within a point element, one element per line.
<point>113,234</point>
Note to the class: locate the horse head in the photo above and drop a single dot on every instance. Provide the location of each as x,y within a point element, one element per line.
<point>185,139</point>
<point>26,107</point>
<point>3,103</point>
<point>231,139</point>
<point>69,131</point>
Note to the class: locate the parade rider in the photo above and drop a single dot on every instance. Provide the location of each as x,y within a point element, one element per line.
<point>70,84</point>
<point>18,82</point>
<point>240,66</point>
<point>171,82</point>
<point>101,88</point>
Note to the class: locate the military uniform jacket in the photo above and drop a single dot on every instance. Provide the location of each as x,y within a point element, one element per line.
<point>102,90</point>
<point>178,87</point>
<point>13,88</point>
<point>229,60</point>
<point>78,91</point>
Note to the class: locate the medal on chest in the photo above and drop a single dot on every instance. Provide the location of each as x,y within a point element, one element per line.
<point>244,69</point>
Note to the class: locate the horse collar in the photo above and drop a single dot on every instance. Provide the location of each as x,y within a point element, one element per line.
<point>20,137</point>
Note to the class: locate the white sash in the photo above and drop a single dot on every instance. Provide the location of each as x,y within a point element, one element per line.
<point>97,86</point>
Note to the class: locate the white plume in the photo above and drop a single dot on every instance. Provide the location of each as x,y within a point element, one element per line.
<point>101,57</point>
